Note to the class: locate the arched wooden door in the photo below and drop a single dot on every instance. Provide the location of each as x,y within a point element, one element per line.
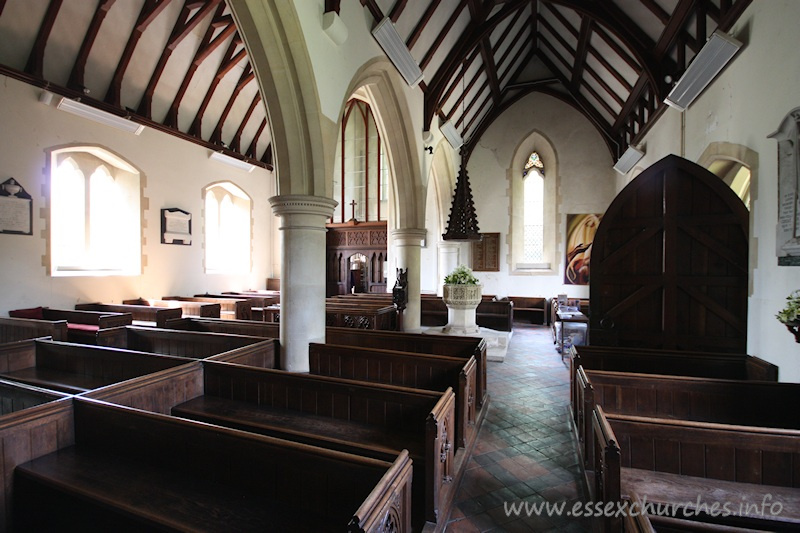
<point>670,263</point>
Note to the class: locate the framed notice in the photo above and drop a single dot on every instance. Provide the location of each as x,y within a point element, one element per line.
<point>176,226</point>
<point>486,253</point>
<point>16,209</point>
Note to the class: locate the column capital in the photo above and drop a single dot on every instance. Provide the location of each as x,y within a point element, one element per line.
<point>301,204</point>
<point>409,236</point>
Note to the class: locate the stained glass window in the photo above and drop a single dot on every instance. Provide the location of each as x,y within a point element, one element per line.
<point>534,161</point>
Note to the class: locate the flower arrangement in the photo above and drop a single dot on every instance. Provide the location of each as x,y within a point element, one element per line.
<point>462,275</point>
<point>791,313</point>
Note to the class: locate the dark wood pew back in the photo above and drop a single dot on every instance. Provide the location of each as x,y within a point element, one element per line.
<point>189,308</point>
<point>38,423</point>
<point>638,454</point>
<point>192,344</point>
<point>420,418</point>
<point>217,478</point>
<point>447,345</point>
<point>230,308</point>
<point>17,329</point>
<point>418,371</point>
<point>76,368</point>
<point>141,313</point>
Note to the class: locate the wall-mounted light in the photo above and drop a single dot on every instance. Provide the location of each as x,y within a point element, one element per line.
<point>232,161</point>
<point>628,160</point>
<point>101,117</point>
<point>397,51</point>
<point>709,61</point>
<point>428,149</point>
<point>450,133</point>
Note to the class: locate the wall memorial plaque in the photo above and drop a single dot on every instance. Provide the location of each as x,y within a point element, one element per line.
<point>176,226</point>
<point>788,227</point>
<point>16,209</point>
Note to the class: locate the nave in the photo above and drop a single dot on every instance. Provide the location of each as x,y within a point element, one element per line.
<point>525,450</point>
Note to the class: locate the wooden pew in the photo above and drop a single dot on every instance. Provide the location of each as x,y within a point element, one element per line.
<point>650,361</point>
<point>143,315</point>
<point>451,346</point>
<point>82,326</point>
<point>17,329</point>
<point>683,462</point>
<point>357,315</point>
<point>189,308</point>
<point>132,470</point>
<point>250,350</point>
<point>230,308</point>
<point>666,362</point>
<point>724,401</point>
<point>497,315</point>
<point>33,422</point>
<point>534,308</point>
<point>76,368</point>
<point>344,415</point>
<point>417,371</point>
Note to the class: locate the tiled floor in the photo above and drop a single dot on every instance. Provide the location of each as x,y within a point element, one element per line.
<point>525,453</point>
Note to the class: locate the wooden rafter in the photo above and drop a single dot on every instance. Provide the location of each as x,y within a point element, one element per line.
<point>76,77</point>
<point>183,26</point>
<point>35,63</point>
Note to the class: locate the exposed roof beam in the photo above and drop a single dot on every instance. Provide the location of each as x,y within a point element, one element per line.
<point>151,9</point>
<point>580,52</point>
<point>490,68</point>
<point>35,64</point>
<point>441,34</point>
<point>426,17</point>
<point>183,26</point>
<point>76,77</point>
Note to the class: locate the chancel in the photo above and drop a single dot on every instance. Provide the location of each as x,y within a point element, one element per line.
<point>258,345</point>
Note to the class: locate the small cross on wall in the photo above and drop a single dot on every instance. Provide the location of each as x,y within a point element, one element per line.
<point>353,210</point>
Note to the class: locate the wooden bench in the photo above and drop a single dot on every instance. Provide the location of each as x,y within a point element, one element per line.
<point>132,470</point>
<point>682,462</point>
<point>417,371</point>
<point>739,402</point>
<point>143,315</point>
<point>230,308</point>
<point>33,422</point>
<point>76,368</point>
<point>533,308</point>
<point>17,329</point>
<point>345,415</point>
<point>241,349</point>
<point>188,308</point>
<point>82,326</point>
<point>497,315</point>
<point>667,362</point>
<point>451,346</point>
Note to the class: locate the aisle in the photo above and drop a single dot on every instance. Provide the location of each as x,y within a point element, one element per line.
<point>525,451</point>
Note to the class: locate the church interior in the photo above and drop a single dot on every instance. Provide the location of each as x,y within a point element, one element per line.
<point>379,265</point>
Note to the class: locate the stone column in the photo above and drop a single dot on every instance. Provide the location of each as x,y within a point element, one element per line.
<point>448,261</point>
<point>406,245</point>
<point>302,317</point>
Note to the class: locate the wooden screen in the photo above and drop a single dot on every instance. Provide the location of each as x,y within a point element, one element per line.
<point>670,263</point>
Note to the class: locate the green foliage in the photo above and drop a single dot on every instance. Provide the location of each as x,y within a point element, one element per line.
<point>790,313</point>
<point>462,275</point>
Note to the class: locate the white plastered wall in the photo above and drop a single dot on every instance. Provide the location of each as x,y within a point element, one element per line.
<point>586,183</point>
<point>174,173</point>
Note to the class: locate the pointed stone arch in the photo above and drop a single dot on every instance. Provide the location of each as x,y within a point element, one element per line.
<point>269,29</point>
<point>380,85</point>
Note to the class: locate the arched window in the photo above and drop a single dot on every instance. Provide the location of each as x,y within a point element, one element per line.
<point>95,223</point>
<point>736,175</point>
<point>227,229</point>
<point>361,185</point>
<point>533,180</point>
<point>533,228</point>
